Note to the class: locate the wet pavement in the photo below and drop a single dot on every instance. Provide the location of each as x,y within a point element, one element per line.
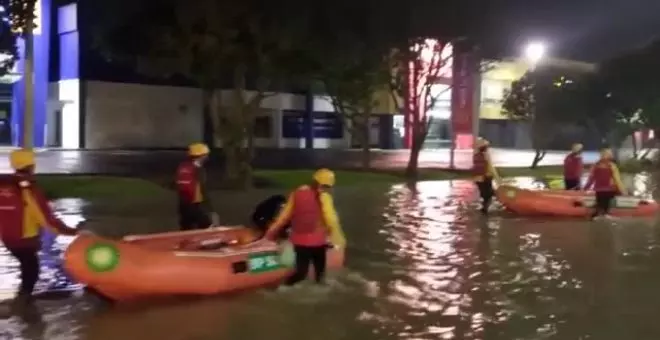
<point>153,162</point>
<point>422,264</point>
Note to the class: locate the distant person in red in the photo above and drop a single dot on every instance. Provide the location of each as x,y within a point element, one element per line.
<point>484,173</point>
<point>606,181</point>
<point>24,210</point>
<point>195,208</point>
<point>573,167</point>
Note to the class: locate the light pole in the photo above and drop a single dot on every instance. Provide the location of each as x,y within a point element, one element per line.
<point>534,53</point>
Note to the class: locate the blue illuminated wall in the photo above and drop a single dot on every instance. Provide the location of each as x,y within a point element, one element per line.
<point>41,62</point>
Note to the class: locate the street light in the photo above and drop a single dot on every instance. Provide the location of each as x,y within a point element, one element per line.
<point>534,52</point>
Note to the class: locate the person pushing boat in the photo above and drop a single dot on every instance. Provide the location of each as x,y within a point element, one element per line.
<point>484,173</point>
<point>605,179</point>
<point>24,210</point>
<point>573,167</point>
<point>195,208</point>
<point>311,212</point>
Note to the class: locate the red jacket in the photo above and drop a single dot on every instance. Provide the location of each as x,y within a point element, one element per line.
<point>23,210</point>
<point>307,225</point>
<point>313,219</point>
<point>190,183</point>
<point>573,166</point>
<point>605,177</point>
<point>479,164</point>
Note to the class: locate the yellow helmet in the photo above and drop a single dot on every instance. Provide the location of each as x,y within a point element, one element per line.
<point>325,177</point>
<point>21,158</point>
<point>606,153</point>
<point>198,149</point>
<point>577,147</point>
<point>481,142</point>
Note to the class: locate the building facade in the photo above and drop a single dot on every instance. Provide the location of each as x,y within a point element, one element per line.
<point>495,126</point>
<point>81,101</point>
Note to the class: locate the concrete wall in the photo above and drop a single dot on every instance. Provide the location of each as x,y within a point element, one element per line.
<point>122,115</point>
<point>132,115</point>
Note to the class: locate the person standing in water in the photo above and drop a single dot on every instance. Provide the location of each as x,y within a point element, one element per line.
<point>573,167</point>
<point>24,210</point>
<point>313,218</point>
<point>606,181</point>
<point>195,208</point>
<point>484,173</point>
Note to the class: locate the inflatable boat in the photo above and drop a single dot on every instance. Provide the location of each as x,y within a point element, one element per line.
<point>206,262</point>
<point>568,203</point>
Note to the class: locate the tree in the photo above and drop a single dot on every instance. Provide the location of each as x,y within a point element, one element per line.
<point>418,70</point>
<point>548,101</point>
<point>632,85</point>
<point>350,63</point>
<point>352,88</point>
<point>8,51</point>
<point>430,27</point>
<point>213,43</point>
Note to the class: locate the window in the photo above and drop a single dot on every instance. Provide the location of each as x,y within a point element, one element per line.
<point>492,91</point>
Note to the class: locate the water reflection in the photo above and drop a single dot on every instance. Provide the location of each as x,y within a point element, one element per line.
<point>422,264</point>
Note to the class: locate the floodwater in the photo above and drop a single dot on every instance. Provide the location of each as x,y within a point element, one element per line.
<point>422,264</point>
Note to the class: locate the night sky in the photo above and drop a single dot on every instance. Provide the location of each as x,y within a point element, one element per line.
<point>589,30</point>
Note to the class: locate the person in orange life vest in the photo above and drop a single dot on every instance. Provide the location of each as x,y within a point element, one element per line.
<point>195,208</point>
<point>484,172</point>
<point>573,168</point>
<point>606,181</point>
<point>23,211</point>
<point>311,213</point>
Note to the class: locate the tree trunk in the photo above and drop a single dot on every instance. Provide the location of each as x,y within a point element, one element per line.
<point>366,155</point>
<point>538,157</point>
<point>539,141</point>
<point>208,116</point>
<point>413,162</point>
<point>234,125</point>
<point>365,142</point>
<point>412,170</point>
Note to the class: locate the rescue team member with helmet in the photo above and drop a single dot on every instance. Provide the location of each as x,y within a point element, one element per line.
<point>606,181</point>
<point>484,172</point>
<point>311,213</point>
<point>573,167</point>
<point>195,208</point>
<point>23,211</point>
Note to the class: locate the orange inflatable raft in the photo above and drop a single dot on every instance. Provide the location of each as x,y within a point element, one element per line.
<point>207,262</point>
<point>568,203</point>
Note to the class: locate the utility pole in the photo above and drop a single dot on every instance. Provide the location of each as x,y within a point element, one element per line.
<point>28,82</point>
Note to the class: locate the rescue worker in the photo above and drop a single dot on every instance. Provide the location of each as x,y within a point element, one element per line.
<point>484,173</point>
<point>23,211</point>
<point>606,181</point>
<point>313,218</point>
<point>573,168</point>
<point>195,208</point>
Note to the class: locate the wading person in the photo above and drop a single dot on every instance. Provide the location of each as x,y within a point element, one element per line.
<point>606,181</point>
<point>24,210</point>
<point>573,167</point>
<point>311,213</point>
<point>484,173</point>
<point>195,208</point>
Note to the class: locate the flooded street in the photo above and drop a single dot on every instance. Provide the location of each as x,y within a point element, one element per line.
<point>421,264</point>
